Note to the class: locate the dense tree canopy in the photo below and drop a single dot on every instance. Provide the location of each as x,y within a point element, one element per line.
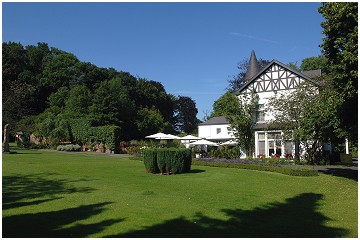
<point>226,105</point>
<point>48,88</point>
<point>185,113</point>
<point>340,47</point>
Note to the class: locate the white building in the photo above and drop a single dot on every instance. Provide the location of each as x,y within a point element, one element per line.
<point>274,78</point>
<point>215,129</point>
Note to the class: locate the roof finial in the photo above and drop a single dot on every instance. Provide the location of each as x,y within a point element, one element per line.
<point>253,67</point>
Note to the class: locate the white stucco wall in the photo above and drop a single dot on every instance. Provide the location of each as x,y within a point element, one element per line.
<point>210,131</point>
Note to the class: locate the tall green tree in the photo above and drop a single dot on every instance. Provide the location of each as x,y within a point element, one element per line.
<point>314,63</point>
<point>78,103</point>
<point>185,114</point>
<point>111,105</point>
<point>226,105</point>
<point>150,121</point>
<point>340,47</point>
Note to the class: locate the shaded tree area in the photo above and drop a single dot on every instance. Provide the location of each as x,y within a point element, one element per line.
<point>43,87</point>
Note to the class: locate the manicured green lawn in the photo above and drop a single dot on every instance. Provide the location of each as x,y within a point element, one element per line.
<point>56,194</point>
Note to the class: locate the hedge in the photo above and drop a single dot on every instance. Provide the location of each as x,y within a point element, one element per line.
<point>150,161</point>
<point>83,132</point>
<point>288,171</point>
<point>169,160</point>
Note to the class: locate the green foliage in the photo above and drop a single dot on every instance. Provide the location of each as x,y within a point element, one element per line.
<point>149,121</point>
<point>78,102</point>
<point>81,130</point>
<point>170,160</point>
<point>340,47</point>
<point>108,135</point>
<point>185,113</point>
<point>288,171</point>
<point>150,161</point>
<point>226,152</point>
<point>38,80</point>
<point>58,98</point>
<point>313,63</point>
<point>163,160</point>
<point>308,116</point>
<point>242,121</point>
<point>226,105</point>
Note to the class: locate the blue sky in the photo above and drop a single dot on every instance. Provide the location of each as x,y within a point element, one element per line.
<point>191,48</point>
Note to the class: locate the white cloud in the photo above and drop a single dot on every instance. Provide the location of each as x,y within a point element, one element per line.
<point>253,37</point>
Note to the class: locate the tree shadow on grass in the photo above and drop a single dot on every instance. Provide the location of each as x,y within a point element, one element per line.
<point>25,190</point>
<point>53,224</point>
<point>341,172</point>
<point>296,217</point>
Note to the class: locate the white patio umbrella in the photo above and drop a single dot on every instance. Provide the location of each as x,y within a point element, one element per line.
<point>230,143</point>
<point>161,135</point>
<point>190,137</point>
<point>204,142</point>
<point>170,136</point>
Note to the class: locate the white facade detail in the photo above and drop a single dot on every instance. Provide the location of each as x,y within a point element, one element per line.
<point>215,132</point>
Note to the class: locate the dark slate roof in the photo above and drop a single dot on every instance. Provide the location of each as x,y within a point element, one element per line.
<point>253,67</point>
<point>282,65</point>
<point>312,73</point>
<point>215,121</point>
<point>260,126</point>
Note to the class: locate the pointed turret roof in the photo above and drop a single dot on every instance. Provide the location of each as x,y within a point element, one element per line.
<point>253,68</point>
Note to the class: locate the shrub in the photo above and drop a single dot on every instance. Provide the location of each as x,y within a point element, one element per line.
<point>150,161</point>
<point>69,148</point>
<point>163,161</point>
<point>170,160</point>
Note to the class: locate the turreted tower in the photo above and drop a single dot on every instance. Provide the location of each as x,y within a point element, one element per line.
<point>253,68</point>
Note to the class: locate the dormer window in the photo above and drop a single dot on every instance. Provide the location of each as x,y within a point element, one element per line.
<point>260,113</point>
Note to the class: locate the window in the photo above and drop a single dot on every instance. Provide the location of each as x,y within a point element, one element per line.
<point>260,113</point>
<point>261,136</point>
<point>261,146</point>
<point>218,130</point>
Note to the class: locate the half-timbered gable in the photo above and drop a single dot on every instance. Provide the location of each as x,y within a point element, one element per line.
<point>275,77</point>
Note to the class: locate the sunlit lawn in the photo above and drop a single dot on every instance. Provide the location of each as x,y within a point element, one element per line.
<point>56,194</point>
